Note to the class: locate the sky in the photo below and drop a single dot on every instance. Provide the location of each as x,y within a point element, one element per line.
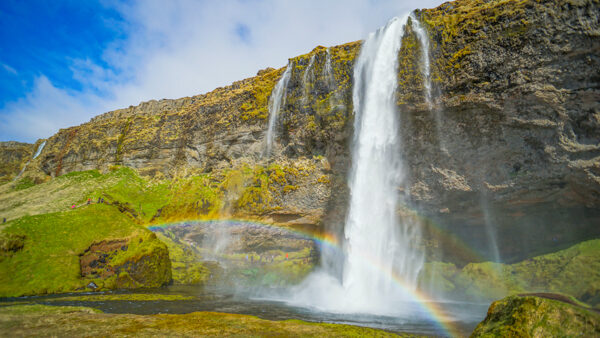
<point>63,62</point>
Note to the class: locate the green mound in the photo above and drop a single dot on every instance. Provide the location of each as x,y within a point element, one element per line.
<point>531,316</point>
<point>48,258</point>
<point>574,271</point>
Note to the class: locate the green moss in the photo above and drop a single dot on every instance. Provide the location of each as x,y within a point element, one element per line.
<point>34,320</point>
<point>574,272</point>
<point>49,261</point>
<point>24,183</point>
<point>24,310</point>
<point>186,263</point>
<point>256,107</point>
<point>455,26</point>
<point>537,317</point>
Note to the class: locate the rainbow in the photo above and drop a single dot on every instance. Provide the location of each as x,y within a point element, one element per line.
<point>432,309</point>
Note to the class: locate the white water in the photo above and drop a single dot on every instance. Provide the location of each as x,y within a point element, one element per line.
<point>381,262</point>
<point>39,150</point>
<point>424,62</point>
<point>37,153</point>
<point>276,101</point>
<point>425,67</point>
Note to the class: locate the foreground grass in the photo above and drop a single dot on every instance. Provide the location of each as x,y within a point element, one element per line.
<point>40,320</point>
<point>48,261</point>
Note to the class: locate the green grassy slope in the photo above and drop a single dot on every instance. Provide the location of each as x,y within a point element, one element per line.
<point>574,271</point>
<point>48,261</point>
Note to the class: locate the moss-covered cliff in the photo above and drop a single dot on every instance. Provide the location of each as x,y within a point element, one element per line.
<point>14,155</point>
<point>509,139</point>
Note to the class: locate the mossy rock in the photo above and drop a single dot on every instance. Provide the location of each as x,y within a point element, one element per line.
<point>531,316</point>
<point>46,253</point>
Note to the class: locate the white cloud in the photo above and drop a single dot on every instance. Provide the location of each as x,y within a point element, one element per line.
<point>182,48</point>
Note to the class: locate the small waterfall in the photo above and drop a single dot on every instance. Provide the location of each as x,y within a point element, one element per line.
<point>425,67</point>
<point>36,154</point>
<point>39,150</point>
<point>276,101</point>
<point>381,261</point>
<point>424,62</point>
<point>306,78</point>
<point>490,231</point>
<point>334,99</point>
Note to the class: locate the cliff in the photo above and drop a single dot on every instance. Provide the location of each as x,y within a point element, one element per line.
<point>14,155</point>
<point>509,138</point>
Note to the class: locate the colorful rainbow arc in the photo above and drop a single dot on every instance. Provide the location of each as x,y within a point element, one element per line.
<point>435,313</point>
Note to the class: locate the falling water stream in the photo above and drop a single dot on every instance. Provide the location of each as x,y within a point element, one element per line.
<point>37,153</point>
<point>276,101</point>
<point>381,263</point>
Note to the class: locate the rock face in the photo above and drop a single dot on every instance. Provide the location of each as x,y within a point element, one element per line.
<point>14,155</point>
<point>531,316</point>
<point>507,152</point>
<point>102,261</point>
<point>236,253</point>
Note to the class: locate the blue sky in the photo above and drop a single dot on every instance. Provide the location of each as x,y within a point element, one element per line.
<point>63,62</point>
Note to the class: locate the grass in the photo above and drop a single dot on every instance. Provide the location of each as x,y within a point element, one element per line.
<point>574,272</point>
<point>49,261</point>
<point>28,320</point>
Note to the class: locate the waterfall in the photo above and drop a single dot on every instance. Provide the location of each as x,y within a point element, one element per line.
<point>276,101</point>
<point>381,263</point>
<point>373,226</point>
<point>425,68</point>
<point>306,77</point>
<point>424,62</point>
<point>39,150</point>
<point>334,98</point>
<point>36,154</point>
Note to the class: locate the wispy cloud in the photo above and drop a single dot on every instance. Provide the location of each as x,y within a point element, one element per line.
<point>9,69</point>
<point>180,48</point>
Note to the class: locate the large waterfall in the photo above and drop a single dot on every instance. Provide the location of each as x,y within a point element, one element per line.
<point>381,263</point>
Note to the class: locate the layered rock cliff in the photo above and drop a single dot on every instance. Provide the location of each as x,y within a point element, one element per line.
<point>509,140</point>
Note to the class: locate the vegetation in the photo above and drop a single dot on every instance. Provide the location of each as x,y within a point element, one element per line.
<point>537,317</point>
<point>28,320</point>
<point>48,258</point>
<point>186,264</point>
<point>574,271</point>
